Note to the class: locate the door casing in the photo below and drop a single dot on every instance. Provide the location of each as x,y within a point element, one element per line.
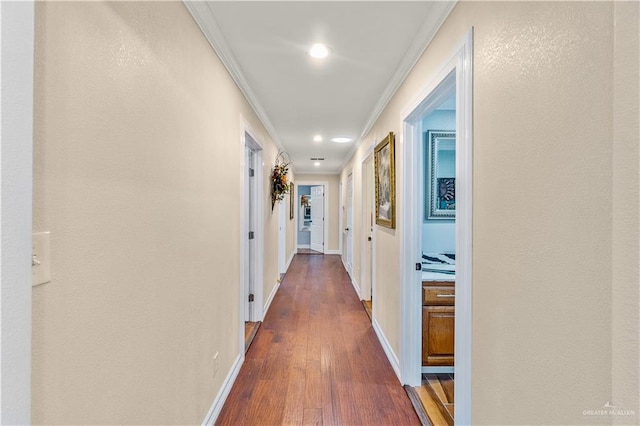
<point>457,71</point>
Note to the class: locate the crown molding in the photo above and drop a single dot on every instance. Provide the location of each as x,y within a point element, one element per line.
<point>425,35</point>
<point>205,19</point>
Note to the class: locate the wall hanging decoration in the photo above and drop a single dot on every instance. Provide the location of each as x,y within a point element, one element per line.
<point>440,175</point>
<point>279,185</point>
<point>385,177</point>
<point>292,205</point>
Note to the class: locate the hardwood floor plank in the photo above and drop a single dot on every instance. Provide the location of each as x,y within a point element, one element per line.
<point>431,407</point>
<point>312,417</point>
<point>316,359</point>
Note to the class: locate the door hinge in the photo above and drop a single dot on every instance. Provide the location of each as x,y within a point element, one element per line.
<point>418,266</point>
<point>251,297</point>
<point>251,172</point>
<point>251,235</point>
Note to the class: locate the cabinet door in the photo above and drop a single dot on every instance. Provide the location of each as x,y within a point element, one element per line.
<point>438,335</point>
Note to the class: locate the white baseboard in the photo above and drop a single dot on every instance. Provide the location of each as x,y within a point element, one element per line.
<point>304,246</point>
<point>223,393</point>
<point>438,370</point>
<point>270,299</point>
<point>393,359</point>
<point>332,252</point>
<point>356,287</point>
<point>290,260</point>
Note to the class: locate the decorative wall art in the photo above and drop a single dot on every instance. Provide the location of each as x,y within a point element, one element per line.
<point>385,181</point>
<point>292,204</point>
<point>440,174</point>
<point>279,185</point>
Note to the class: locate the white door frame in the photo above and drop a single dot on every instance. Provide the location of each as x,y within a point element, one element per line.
<point>365,221</point>
<point>348,250</point>
<point>460,64</point>
<point>282,236</point>
<point>249,139</point>
<point>326,208</point>
<point>16,193</point>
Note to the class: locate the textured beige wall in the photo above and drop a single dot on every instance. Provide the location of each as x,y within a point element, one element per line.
<point>334,219</point>
<point>137,176</point>
<point>543,152</point>
<point>625,329</point>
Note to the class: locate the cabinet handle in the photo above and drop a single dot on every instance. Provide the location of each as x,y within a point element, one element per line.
<point>445,295</point>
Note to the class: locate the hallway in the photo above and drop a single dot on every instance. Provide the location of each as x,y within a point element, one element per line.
<point>316,358</point>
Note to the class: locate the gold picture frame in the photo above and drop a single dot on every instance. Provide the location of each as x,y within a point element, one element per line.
<point>292,204</point>
<point>385,177</point>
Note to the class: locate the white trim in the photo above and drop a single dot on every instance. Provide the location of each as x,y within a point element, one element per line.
<point>333,252</point>
<point>340,216</point>
<point>438,370</point>
<point>356,287</point>
<point>283,216</point>
<point>206,21</point>
<point>327,221</point>
<point>460,62</point>
<point>223,393</point>
<point>258,200</point>
<point>391,356</point>
<point>290,260</point>
<point>304,246</point>
<point>16,209</point>
<point>464,233</point>
<point>414,52</point>
<point>267,304</point>
<point>365,222</point>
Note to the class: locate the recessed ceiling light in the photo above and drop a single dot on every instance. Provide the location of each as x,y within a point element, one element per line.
<point>317,138</point>
<point>319,51</point>
<point>317,164</point>
<point>341,140</point>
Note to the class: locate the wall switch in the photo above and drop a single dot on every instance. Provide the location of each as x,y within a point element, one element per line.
<point>40,259</point>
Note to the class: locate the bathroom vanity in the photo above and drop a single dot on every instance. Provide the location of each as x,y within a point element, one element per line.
<point>438,323</point>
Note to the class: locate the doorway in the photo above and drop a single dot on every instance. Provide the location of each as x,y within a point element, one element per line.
<point>348,230</point>
<point>313,220</point>
<point>282,237</point>
<point>366,257</point>
<point>455,77</point>
<point>251,237</point>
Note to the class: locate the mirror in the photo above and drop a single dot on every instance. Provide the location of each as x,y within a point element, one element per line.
<point>440,176</point>
<point>304,218</point>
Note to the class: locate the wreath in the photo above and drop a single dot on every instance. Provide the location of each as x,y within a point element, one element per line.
<point>279,185</point>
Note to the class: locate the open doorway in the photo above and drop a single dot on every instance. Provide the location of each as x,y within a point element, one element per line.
<point>436,249</point>
<point>311,218</point>
<point>251,239</point>
<point>366,257</point>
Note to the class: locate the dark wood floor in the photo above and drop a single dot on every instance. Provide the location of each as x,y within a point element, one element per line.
<point>316,359</point>
<point>308,251</point>
<point>250,330</point>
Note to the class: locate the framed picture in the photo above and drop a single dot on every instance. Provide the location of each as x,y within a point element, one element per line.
<point>385,177</point>
<point>440,174</point>
<point>292,204</point>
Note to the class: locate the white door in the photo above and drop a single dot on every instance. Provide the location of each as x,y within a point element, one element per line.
<point>366,263</point>
<point>317,218</point>
<point>282,236</point>
<point>348,230</point>
<point>250,158</point>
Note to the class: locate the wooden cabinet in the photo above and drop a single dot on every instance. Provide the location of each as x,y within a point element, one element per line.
<point>438,323</point>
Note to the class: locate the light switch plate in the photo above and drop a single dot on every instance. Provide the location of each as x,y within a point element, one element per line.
<point>40,259</point>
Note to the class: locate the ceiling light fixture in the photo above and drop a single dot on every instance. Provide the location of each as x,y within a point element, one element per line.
<point>317,164</point>
<point>341,140</point>
<point>319,51</point>
<point>317,138</point>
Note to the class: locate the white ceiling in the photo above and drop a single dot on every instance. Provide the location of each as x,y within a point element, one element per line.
<point>264,45</point>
